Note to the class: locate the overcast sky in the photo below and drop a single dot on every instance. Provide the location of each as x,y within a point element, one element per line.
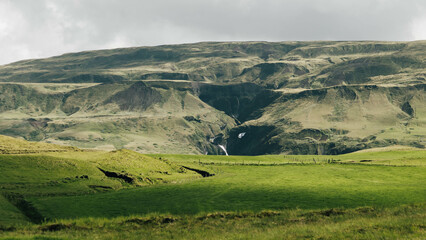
<point>43,28</point>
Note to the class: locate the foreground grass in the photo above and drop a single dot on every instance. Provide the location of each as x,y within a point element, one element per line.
<point>365,195</point>
<point>403,222</point>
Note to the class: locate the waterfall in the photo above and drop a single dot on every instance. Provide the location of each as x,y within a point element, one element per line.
<point>241,135</point>
<point>224,149</point>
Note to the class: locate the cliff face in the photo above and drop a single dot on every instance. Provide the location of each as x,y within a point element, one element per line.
<point>289,97</point>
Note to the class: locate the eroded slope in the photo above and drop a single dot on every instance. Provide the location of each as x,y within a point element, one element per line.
<point>289,97</point>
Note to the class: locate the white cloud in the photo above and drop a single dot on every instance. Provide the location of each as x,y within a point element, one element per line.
<point>10,18</point>
<point>43,28</point>
<point>418,28</point>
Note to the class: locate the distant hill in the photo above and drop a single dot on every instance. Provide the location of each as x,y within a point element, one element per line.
<point>252,97</point>
<point>38,163</point>
<point>10,145</point>
<point>41,169</point>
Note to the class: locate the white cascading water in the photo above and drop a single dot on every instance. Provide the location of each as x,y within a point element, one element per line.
<point>224,149</point>
<point>241,135</point>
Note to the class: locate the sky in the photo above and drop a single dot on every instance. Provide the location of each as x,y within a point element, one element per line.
<point>44,28</point>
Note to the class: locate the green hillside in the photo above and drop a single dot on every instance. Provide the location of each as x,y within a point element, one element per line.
<point>10,145</point>
<point>286,97</point>
<point>41,169</point>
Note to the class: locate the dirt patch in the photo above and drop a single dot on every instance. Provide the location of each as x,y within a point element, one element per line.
<point>60,226</point>
<point>99,187</point>
<point>366,161</point>
<point>121,176</point>
<point>201,172</point>
<point>327,213</point>
<point>192,119</point>
<point>155,220</point>
<point>232,215</point>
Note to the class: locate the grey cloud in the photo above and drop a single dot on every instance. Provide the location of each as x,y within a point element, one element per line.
<point>41,28</point>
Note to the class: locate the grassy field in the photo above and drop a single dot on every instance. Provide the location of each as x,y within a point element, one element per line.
<point>395,156</point>
<point>253,188</point>
<point>405,222</point>
<point>370,194</point>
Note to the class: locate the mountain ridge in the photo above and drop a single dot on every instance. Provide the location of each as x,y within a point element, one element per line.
<point>296,97</point>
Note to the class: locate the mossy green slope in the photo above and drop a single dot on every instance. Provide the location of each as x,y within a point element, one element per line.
<point>41,169</point>
<point>10,145</point>
<point>290,97</point>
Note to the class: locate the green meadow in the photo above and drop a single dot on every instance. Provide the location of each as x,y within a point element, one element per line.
<point>52,194</point>
<point>395,156</point>
<point>253,188</point>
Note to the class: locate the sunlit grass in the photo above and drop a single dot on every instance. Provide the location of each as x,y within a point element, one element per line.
<point>254,188</point>
<point>406,222</point>
<point>389,157</point>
